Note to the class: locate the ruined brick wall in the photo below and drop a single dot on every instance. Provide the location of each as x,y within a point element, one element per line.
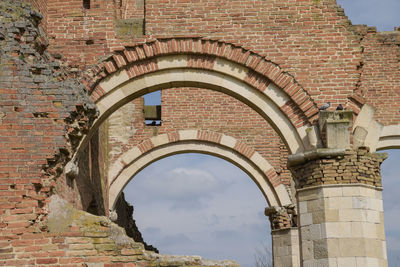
<point>39,110</point>
<point>312,40</point>
<point>89,189</point>
<point>80,35</point>
<point>380,83</point>
<point>127,9</point>
<point>41,6</point>
<point>43,115</point>
<point>83,35</point>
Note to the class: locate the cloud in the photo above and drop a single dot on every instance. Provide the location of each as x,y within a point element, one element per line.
<point>184,188</point>
<point>175,240</point>
<point>184,181</point>
<point>227,235</point>
<point>151,231</point>
<point>220,216</point>
<point>392,218</point>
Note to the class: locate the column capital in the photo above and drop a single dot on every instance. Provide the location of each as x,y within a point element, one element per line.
<point>282,217</point>
<point>350,166</point>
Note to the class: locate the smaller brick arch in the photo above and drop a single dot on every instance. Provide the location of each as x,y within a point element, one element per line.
<point>196,62</point>
<point>206,142</point>
<point>389,137</point>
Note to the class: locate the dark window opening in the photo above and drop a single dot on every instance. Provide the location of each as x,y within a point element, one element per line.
<point>152,109</point>
<point>152,115</point>
<point>86,4</point>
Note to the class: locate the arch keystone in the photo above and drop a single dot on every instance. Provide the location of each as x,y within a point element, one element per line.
<point>173,61</point>
<point>188,135</point>
<point>228,141</point>
<point>159,140</point>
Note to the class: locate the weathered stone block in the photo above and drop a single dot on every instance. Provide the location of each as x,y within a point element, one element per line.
<point>127,28</point>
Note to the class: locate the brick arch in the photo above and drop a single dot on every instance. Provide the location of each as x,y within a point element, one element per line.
<point>195,62</point>
<point>199,141</point>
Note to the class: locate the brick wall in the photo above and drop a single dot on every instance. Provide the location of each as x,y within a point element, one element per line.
<point>41,6</point>
<point>43,115</point>
<point>38,111</point>
<point>380,83</point>
<point>194,108</point>
<point>312,40</point>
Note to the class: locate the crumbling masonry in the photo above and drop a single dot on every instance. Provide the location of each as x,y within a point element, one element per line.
<point>241,80</point>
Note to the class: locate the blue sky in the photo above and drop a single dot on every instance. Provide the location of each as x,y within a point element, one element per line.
<point>194,204</point>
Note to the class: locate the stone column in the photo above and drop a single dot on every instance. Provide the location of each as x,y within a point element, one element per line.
<point>340,208</point>
<point>339,198</point>
<point>285,236</point>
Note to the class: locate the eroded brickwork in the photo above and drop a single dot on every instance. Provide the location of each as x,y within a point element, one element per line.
<point>354,166</point>
<point>379,84</point>
<point>44,115</point>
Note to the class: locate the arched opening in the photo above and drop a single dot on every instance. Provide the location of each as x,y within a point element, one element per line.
<point>196,204</point>
<point>268,99</point>
<point>223,146</point>
<point>268,106</point>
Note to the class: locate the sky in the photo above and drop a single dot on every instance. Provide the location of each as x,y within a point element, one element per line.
<point>192,204</point>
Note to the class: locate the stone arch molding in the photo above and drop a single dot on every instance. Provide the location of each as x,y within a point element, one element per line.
<point>368,132</point>
<point>389,137</point>
<point>186,141</point>
<point>191,62</point>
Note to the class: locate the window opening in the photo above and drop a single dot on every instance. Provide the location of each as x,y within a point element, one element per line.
<point>152,109</point>
<point>86,4</point>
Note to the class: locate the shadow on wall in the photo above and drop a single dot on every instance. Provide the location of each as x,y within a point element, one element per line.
<point>90,184</point>
<point>89,181</point>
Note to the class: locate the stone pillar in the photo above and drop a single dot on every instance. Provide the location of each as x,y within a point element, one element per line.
<point>285,236</point>
<point>340,207</point>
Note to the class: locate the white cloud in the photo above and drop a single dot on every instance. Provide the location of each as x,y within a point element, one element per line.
<point>227,224</point>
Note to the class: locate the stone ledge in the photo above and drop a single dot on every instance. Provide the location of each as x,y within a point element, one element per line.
<point>339,185</point>
<point>297,159</point>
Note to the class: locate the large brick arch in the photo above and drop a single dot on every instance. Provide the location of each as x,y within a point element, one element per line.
<point>206,142</point>
<point>194,62</point>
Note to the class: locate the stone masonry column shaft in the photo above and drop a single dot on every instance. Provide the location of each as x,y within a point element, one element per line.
<point>339,198</point>
<point>340,209</point>
<point>285,236</point>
